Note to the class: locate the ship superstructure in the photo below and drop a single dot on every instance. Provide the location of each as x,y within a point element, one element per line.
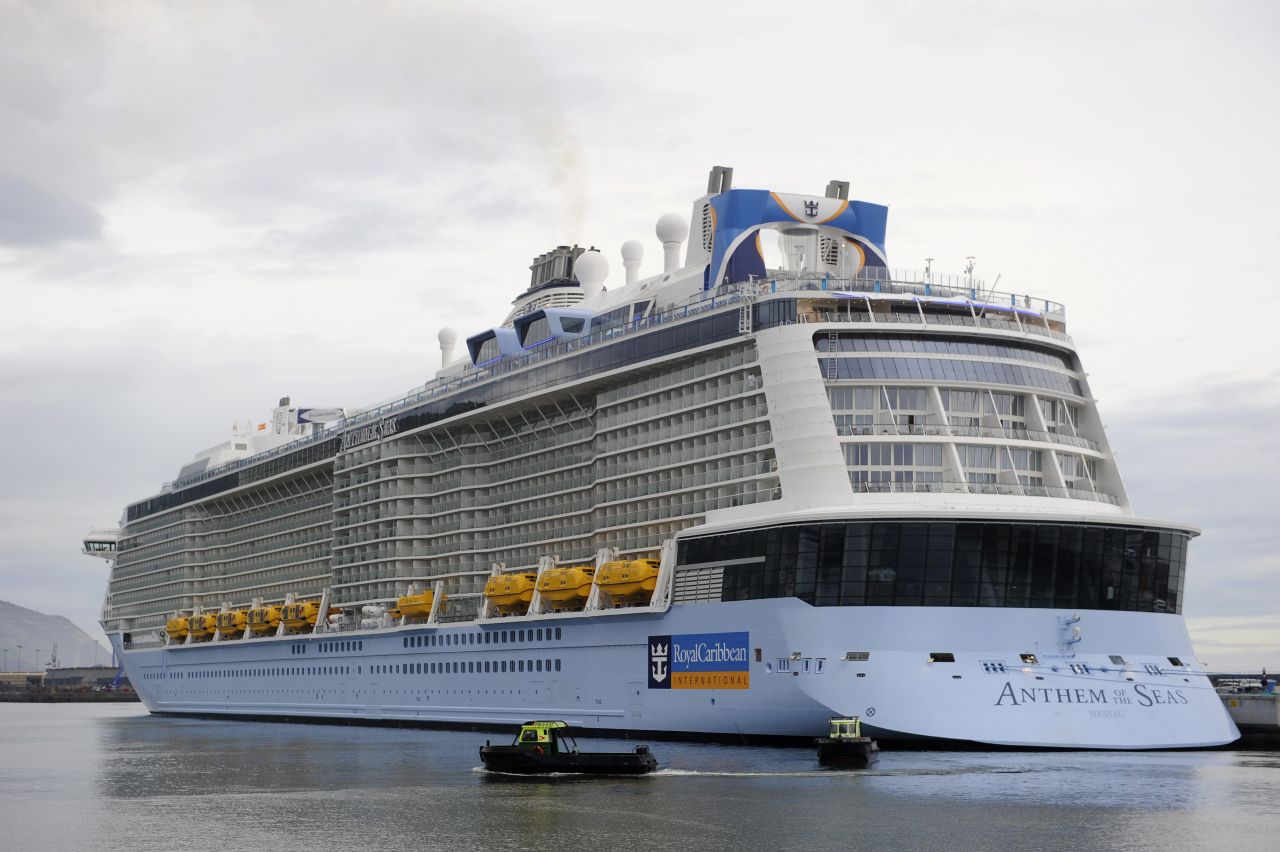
<point>777,482</point>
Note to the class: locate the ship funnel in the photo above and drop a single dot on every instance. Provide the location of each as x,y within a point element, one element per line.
<point>672,229</point>
<point>448,339</point>
<point>632,254</point>
<point>720,180</point>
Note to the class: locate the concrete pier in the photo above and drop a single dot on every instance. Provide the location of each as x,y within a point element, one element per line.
<point>1257,715</point>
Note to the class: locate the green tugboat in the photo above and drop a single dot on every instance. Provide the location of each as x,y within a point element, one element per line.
<point>544,747</point>
<point>845,745</point>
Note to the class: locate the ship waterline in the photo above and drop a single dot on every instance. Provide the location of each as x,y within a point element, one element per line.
<point>734,499</point>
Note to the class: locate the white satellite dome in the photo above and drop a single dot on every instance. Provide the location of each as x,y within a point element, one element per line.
<point>591,269</point>
<point>448,338</point>
<point>634,249</point>
<point>672,228</point>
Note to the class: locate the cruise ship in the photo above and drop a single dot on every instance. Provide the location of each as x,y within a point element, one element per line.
<point>778,482</point>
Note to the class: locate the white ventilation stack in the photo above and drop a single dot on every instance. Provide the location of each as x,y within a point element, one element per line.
<point>671,230</point>
<point>591,269</point>
<point>632,254</point>
<point>448,339</point>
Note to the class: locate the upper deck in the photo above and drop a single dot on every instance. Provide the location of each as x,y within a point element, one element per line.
<point>876,296</point>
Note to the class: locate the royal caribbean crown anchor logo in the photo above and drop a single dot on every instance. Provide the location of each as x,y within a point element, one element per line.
<point>700,661</point>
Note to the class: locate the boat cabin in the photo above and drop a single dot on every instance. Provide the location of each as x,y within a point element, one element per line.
<point>846,728</point>
<point>546,738</point>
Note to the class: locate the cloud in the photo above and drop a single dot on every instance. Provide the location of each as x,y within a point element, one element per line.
<point>32,215</point>
<point>1203,456</point>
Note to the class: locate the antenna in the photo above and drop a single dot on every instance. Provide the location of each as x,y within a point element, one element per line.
<point>928,269</point>
<point>990,292</point>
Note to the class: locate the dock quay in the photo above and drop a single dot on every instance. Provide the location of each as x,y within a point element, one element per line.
<point>60,685</point>
<point>1257,715</point>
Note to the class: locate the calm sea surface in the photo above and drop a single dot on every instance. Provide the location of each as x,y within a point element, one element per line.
<point>107,776</point>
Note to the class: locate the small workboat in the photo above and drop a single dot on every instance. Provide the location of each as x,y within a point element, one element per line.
<point>545,747</point>
<point>845,745</point>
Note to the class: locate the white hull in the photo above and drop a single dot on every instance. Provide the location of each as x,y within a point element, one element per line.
<point>1073,696</point>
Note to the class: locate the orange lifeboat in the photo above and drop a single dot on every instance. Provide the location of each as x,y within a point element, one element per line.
<point>416,604</point>
<point>566,588</point>
<point>176,627</point>
<point>299,616</point>
<point>264,620</point>
<point>231,623</point>
<point>628,582</point>
<point>510,594</point>
<point>202,627</point>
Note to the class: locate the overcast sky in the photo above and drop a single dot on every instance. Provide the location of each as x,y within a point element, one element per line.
<point>205,206</point>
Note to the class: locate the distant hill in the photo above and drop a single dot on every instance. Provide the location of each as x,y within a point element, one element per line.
<point>35,631</point>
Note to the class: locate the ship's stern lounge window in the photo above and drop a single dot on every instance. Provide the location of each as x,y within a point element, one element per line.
<point>948,563</point>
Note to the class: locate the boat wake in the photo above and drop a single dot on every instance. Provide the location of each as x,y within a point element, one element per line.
<point>768,773</point>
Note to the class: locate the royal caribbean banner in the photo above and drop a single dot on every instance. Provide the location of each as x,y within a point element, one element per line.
<point>700,661</point>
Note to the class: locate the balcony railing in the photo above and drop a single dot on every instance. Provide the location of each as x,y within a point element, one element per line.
<point>938,430</point>
<point>982,488</point>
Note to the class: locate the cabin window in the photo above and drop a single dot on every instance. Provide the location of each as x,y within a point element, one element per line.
<point>941,657</point>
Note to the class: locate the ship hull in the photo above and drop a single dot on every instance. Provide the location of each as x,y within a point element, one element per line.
<point>751,669</point>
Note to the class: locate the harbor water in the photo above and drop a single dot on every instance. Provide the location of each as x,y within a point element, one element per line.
<point>110,777</point>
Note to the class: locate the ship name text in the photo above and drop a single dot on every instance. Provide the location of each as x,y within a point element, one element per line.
<point>384,428</point>
<point>1141,695</point>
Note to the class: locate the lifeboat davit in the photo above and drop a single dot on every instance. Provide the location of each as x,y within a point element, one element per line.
<point>202,627</point>
<point>510,593</point>
<point>176,627</point>
<point>231,623</point>
<point>264,620</point>
<point>567,588</point>
<point>628,582</point>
